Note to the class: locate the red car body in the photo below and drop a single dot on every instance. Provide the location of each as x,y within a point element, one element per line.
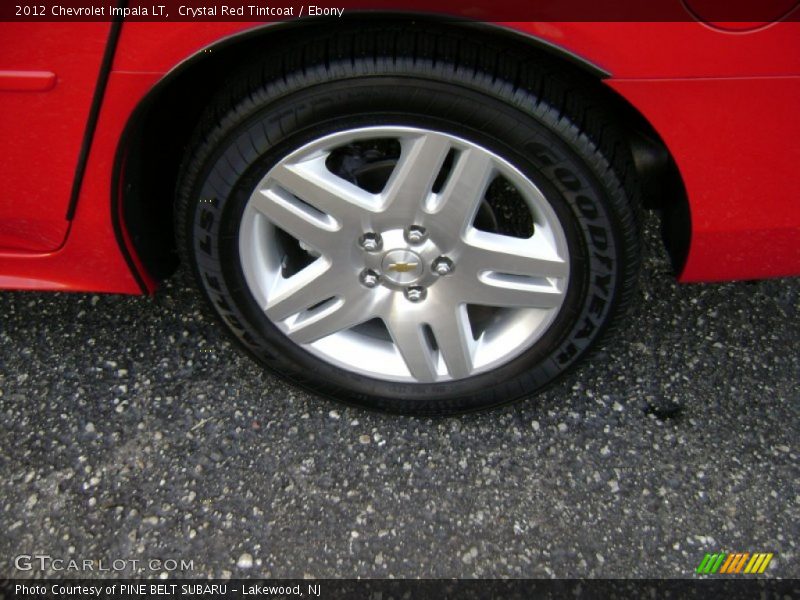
<point>723,101</point>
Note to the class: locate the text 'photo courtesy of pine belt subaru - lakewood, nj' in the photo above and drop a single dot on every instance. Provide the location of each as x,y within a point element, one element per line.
<point>396,209</point>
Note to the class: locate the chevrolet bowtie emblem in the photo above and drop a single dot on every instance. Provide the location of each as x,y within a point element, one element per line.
<point>403,267</point>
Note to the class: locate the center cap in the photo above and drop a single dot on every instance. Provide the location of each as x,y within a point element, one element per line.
<point>402,267</point>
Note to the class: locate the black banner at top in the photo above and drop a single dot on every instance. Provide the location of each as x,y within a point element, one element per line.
<point>748,13</point>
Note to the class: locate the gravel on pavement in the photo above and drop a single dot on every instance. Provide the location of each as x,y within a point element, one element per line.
<point>131,428</point>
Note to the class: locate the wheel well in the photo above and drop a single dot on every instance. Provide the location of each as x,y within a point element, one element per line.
<point>159,133</point>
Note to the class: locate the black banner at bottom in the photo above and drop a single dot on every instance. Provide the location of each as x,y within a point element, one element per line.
<point>393,589</point>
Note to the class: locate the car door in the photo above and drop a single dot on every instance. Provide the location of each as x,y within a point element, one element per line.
<point>48,76</point>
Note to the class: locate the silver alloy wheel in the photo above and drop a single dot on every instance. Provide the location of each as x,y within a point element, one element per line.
<point>391,277</point>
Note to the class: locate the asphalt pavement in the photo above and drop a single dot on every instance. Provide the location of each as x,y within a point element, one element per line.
<point>132,430</point>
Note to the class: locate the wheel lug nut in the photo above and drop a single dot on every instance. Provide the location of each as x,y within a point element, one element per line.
<point>369,278</point>
<point>443,266</point>
<point>416,293</point>
<point>371,242</point>
<point>416,234</point>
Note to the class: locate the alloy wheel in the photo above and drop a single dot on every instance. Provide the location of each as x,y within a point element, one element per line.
<point>379,250</point>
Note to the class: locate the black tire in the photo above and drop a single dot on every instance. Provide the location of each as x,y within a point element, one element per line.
<point>536,118</point>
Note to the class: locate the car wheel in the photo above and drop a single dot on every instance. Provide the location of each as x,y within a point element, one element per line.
<point>406,233</point>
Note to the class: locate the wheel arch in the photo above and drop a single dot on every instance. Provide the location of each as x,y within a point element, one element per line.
<point>157,134</point>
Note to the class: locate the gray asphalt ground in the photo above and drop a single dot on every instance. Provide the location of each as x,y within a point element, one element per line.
<point>130,428</point>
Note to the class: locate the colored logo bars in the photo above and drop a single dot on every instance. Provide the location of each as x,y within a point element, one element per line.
<point>734,563</point>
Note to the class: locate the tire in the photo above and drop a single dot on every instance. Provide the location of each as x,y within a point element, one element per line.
<point>314,144</point>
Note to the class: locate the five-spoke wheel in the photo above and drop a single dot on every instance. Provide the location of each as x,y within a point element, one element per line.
<point>406,260</point>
